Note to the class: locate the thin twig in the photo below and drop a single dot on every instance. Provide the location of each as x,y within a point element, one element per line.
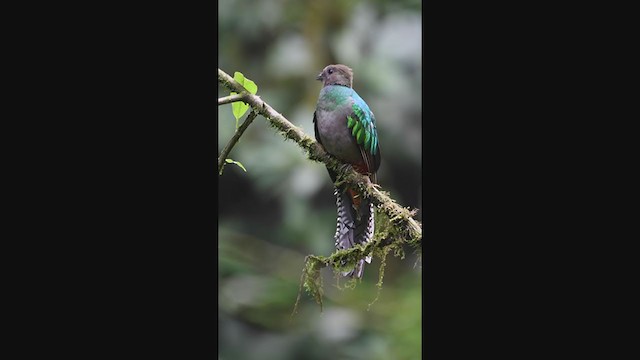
<point>227,149</point>
<point>230,99</point>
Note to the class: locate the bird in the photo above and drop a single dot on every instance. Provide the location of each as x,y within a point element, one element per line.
<point>345,127</point>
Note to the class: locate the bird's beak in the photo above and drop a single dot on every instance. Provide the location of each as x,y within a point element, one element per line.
<point>319,77</point>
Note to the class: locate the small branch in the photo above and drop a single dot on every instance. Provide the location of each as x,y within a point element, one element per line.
<point>227,149</point>
<point>230,99</point>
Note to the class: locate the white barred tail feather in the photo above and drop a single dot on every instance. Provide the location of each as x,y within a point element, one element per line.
<point>354,226</point>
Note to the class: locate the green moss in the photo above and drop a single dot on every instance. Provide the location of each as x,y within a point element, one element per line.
<point>350,283</point>
<point>383,265</point>
<point>389,236</point>
<point>311,280</point>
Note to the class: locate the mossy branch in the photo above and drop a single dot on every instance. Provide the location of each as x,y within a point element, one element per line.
<point>395,228</point>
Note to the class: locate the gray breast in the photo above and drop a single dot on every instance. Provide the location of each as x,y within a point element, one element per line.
<point>336,136</point>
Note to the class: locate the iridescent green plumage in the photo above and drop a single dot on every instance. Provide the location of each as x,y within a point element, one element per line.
<point>363,127</point>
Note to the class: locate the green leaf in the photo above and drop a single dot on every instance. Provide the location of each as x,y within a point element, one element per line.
<point>239,108</point>
<point>248,84</point>
<point>235,162</point>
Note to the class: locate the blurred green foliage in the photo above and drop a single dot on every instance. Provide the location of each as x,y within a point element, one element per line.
<point>283,208</point>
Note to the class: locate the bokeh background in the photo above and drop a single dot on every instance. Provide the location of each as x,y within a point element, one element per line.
<point>283,207</point>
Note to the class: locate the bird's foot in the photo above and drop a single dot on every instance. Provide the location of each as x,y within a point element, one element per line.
<point>346,167</point>
<point>341,178</point>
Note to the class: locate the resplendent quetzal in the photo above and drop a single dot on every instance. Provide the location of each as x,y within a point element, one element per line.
<point>345,126</point>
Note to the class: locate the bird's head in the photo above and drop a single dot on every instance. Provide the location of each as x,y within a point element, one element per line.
<point>336,75</point>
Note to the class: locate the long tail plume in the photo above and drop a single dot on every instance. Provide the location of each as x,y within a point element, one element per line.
<point>355,225</point>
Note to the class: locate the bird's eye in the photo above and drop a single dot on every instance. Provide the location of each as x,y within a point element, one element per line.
<point>330,71</point>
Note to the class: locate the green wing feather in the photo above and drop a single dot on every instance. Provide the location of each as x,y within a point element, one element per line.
<point>355,129</point>
<point>350,122</point>
<point>360,136</point>
<point>363,128</point>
